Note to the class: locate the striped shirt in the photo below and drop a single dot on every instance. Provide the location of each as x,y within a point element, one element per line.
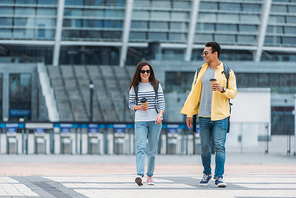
<point>146,90</point>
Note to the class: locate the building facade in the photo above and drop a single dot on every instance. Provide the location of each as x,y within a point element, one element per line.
<point>117,32</point>
<point>258,38</point>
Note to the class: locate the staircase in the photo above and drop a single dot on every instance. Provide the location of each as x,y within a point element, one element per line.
<point>110,94</point>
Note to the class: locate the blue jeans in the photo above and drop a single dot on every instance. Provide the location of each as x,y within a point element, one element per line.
<point>217,130</point>
<point>143,131</point>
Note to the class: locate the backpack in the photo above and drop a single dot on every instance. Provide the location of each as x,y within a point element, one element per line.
<point>226,73</point>
<point>136,89</point>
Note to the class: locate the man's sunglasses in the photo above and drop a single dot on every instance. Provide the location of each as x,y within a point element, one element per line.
<point>143,71</point>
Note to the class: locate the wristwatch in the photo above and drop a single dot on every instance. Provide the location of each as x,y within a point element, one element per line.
<point>223,89</point>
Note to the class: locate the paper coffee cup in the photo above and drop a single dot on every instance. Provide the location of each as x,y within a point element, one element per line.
<point>144,102</point>
<point>213,80</point>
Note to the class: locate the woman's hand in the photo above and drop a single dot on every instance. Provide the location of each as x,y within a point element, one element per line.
<point>158,119</point>
<point>143,107</point>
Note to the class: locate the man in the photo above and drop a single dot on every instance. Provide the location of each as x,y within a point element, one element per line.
<point>213,110</point>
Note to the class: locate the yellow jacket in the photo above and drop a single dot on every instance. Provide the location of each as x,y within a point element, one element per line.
<point>220,104</point>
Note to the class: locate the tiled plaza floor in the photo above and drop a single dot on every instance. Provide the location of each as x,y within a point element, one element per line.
<point>113,176</point>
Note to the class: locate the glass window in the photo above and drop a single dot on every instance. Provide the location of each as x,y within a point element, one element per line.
<point>278,8</point>
<point>226,28</point>
<point>7,1</point>
<point>118,3</point>
<point>5,33</point>
<point>143,3</point>
<point>179,15</point>
<point>157,36</point>
<point>178,26</point>
<point>46,11</point>
<point>44,33</point>
<point>208,6</point>
<point>25,33</point>
<point>251,7</point>
<point>173,55</point>
<point>5,21</point>
<point>246,39</point>
<point>95,2</point>
<point>289,41</point>
<point>248,28</point>
<point>139,24</point>
<point>25,1</point>
<point>72,12</point>
<point>205,26</point>
<point>181,4</point>
<point>202,38</point>
<point>137,36</point>
<point>20,94</point>
<point>92,13</point>
<point>272,40</point>
<point>114,13</point>
<point>89,34</point>
<point>112,35</point>
<point>24,21</point>
<point>46,22</point>
<point>70,34</point>
<point>236,55</point>
<point>206,17</point>
<point>274,29</point>
<point>140,14</point>
<point>112,24</point>
<point>6,10</point>
<point>228,17</point>
<point>177,37</point>
<point>72,23</point>
<point>73,2</point>
<point>290,30</point>
<point>1,94</point>
<point>159,25</point>
<point>230,6</point>
<point>92,23</point>
<point>160,15</point>
<point>291,19</point>
<point>292,9</point>
<point>24,11</point>
<point>52,2</point>
<point>161,4</point>
<point>250,18</point>
<point>276,19</point>
<point>225,39</point>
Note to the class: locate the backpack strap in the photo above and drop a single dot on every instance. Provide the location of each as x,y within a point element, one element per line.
<point>226,73</point>
<point>156,95</point>
<point>136,92</point>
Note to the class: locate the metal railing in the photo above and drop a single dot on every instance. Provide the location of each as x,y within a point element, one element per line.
<point>119,138</point>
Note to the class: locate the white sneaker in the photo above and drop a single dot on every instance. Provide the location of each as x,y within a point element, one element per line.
<point>150,181</point>
<point>139,180</point>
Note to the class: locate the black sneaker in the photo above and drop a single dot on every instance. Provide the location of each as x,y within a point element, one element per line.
<point>219,182</point>
<point>205,180</point>
<point>139,180</point>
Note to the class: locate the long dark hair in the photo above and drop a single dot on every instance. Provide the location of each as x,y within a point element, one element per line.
<point>137,79</point>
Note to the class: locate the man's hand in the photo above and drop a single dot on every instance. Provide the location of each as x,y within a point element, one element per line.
<point>217,87</point>
<point>189,122</point>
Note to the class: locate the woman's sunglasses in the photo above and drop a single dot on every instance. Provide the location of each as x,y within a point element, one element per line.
<point>143,71</point>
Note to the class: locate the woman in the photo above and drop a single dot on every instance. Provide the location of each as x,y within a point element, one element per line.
<point>148,121</point>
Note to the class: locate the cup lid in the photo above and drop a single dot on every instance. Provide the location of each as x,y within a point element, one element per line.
<point>143,100</point>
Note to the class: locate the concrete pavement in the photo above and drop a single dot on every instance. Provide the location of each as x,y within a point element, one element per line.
<point>113,176</point>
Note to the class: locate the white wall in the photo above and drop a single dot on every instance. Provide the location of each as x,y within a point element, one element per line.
<point>251,105</point>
